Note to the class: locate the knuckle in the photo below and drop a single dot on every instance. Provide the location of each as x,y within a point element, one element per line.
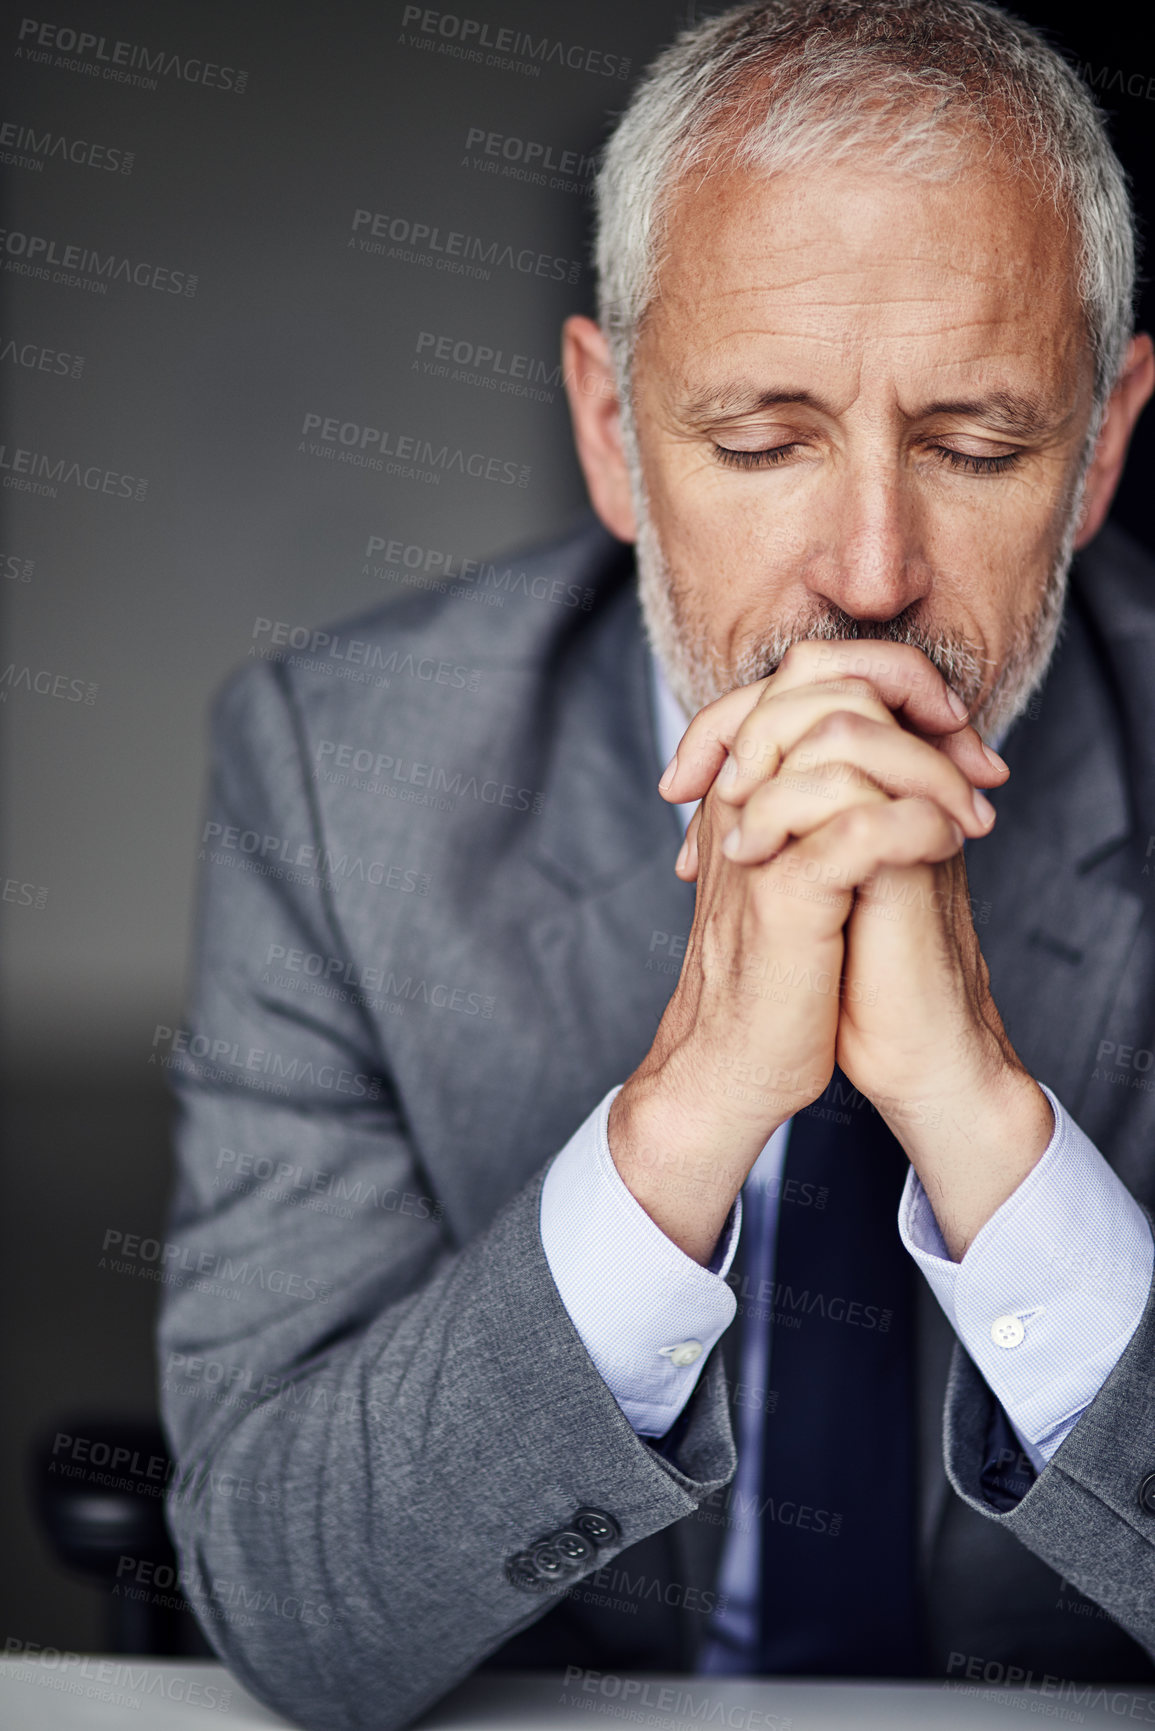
<point>841,725</point>
<point>857,826</point>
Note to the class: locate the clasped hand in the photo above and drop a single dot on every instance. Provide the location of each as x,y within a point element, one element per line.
<point>832,924</point>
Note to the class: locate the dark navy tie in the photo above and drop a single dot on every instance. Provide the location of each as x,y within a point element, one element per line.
<point>838,1498</point>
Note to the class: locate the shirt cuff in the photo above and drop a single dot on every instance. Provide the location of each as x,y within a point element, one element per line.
<point>647,1313</point>
<point>1052,1287</point>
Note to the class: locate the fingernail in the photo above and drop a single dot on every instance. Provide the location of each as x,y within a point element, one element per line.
<point>958,707</point>
<point>984,810</point>
<point>732,843</point>
<point>668,774</point>
<point>683,855</point>
<point>995,761</point>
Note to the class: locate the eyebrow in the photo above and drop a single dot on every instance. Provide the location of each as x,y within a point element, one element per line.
<point>1020,413</point>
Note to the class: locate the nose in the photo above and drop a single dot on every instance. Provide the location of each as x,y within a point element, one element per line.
<point>872,564</point>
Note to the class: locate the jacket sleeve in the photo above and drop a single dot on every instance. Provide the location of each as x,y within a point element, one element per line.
<point>368,1419</point>
<point>1090,1513</point>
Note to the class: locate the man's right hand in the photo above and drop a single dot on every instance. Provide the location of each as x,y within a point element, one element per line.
<point>748,1037</point>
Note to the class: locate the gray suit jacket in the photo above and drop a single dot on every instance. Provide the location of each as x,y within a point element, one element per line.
<point>433,865</point>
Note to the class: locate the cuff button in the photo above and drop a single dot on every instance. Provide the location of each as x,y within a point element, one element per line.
<point>596,1526</point>
<point>548,1560</point>
<point>1008,1331</point>
<point>683,1352</point>
<point>1147,1494</point>
<point>521,1571</point>
<point>574,1546</point>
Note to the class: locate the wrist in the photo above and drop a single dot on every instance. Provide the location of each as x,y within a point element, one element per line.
<point>972,1144</point>
<point>682,1162</point>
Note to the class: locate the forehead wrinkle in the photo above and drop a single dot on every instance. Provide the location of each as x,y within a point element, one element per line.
<point>1024,412</point>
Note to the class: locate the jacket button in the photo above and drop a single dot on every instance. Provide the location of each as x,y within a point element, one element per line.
<point>548,1560</point>
<point>521,1571</point>
<point>597,1526</point>
<point>1147,1494</point>
<point>574,1546</point>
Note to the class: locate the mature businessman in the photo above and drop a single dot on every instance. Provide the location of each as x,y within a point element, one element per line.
<point>736,1260</point>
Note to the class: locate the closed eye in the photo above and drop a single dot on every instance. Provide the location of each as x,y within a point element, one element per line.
<point>754,459</point>
<point>977,465</point>
<point>774,454</point>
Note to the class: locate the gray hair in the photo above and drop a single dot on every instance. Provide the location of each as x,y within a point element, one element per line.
<point>784,83</point>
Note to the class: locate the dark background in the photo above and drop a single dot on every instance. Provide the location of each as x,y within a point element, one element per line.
<point>151,600</point>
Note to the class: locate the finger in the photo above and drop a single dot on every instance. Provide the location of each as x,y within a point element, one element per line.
<point>857,843</point>
<point>792,806</point>
<point>702,748</point>
<point>686,864</point>
<point>891,668</point>
<point>905,679</point>
<point>900,763</point>
<point>778,722</point>
<point>969,752</point>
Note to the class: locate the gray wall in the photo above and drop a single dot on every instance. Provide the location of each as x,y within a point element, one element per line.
<point>204,396</point>
<point>188,505</point>
<point>243,201</point>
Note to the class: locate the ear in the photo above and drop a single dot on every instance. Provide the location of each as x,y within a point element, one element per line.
<point>1124,406</point>
<point>596,414</point>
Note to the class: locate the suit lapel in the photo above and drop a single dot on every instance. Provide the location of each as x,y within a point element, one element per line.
<point>607,952</point>
<point>1055,924</point>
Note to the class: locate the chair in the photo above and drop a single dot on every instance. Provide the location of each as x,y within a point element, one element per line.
<point>98,1491</point>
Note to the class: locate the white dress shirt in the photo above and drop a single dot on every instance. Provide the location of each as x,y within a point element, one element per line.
<point>1044,1301</point>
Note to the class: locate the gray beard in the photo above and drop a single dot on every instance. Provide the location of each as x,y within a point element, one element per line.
<point>697,675</point>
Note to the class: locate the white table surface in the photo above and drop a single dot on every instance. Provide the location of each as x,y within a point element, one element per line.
<point>93,1693</point>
